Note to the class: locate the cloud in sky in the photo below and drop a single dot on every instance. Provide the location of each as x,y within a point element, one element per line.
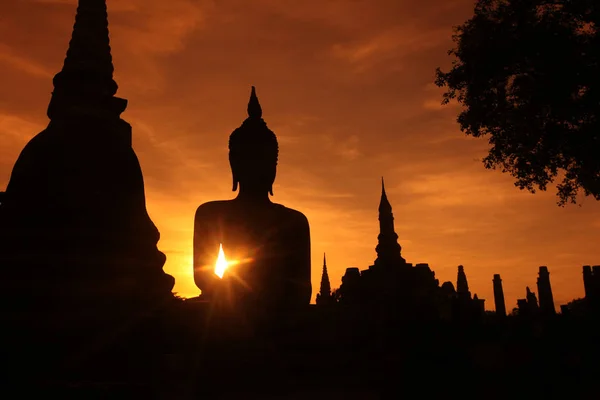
<point>348,88</point>
<point>22,64</point>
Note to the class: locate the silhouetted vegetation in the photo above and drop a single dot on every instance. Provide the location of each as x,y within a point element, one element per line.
<point>527,74</point>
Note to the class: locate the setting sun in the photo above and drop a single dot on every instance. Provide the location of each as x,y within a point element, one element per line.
<point>221,264</point>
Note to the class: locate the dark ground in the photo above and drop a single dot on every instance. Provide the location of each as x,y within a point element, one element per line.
<point>179,352</point>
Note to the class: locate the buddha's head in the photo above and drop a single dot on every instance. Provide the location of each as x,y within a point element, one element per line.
<point>253,152</point>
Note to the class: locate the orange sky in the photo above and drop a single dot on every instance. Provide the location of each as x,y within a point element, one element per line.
<point>347,87</point>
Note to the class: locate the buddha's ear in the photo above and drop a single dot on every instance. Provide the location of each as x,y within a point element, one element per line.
<point>233,169</point>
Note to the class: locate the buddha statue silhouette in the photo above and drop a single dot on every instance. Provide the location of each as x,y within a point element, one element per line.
<point>267,245</point>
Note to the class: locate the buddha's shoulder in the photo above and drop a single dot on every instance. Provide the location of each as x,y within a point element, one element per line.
<point>291,214</point>
<point>213,208</point>
<point>216,209</point>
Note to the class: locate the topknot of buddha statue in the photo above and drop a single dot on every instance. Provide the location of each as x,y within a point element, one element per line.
<point>253,144</point>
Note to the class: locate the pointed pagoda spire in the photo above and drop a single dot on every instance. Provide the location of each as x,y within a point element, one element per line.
<point>325,284</point>
<point>388,250</point>
<point>254,109</point>
<point>89,48</point>
<point>86,78</point>
<point>384,204</point>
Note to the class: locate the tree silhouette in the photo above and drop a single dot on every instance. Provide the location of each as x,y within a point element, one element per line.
<point>527,75</point>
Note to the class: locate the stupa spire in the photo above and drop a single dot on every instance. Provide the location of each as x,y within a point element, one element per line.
<point>388,249</point>
<point>325,284</point>
<point>324,296</point>
<point>87,74</point>
<point>384,204</point>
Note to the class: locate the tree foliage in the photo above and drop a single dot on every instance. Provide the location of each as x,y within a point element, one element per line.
<point>527,73</point>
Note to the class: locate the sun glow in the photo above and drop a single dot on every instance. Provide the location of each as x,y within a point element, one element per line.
<point>221,264</point>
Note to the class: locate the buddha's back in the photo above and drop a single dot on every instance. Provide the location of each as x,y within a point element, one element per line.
<point>266,244</point>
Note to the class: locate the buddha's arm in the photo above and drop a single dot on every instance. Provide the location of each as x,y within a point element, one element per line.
<point>198,250</point>
<point>302,267</point>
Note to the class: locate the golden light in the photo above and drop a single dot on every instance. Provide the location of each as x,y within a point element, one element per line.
<point>221,264</point>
